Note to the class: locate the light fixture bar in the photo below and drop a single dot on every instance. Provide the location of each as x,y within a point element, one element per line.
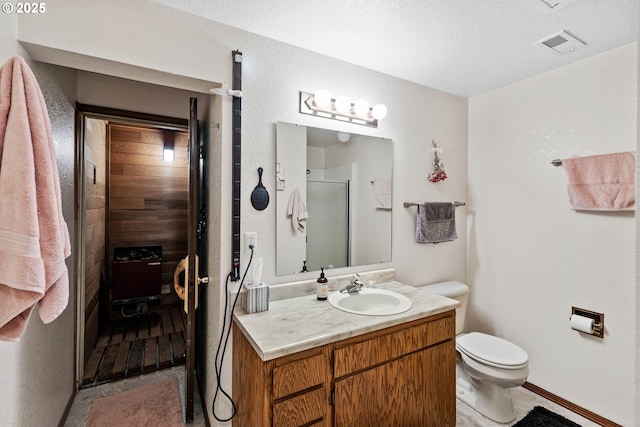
<point>309,106</point>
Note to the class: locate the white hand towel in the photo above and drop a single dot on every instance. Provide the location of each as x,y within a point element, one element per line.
<point>297,211</point>
<point>383,189</point>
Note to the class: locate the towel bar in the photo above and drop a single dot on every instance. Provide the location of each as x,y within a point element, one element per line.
<point>409,204</point>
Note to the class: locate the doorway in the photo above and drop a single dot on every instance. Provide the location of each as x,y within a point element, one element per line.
<point>135,214</point>
<point>136,103</point>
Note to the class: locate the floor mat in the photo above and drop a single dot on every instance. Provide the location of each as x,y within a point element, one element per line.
<point>542,417</point>
<point>156,404</point>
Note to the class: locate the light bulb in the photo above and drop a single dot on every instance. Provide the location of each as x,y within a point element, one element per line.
<point>322,98</point>
<point>343,104</point>
<point>344,136</point>
<point>379,111</point>
<point>361,108</point>
<point>168,155</point>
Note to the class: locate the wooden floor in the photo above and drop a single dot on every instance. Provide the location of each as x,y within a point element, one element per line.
<point>134,345</point>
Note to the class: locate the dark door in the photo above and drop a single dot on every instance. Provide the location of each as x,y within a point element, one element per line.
<point>192,277</point>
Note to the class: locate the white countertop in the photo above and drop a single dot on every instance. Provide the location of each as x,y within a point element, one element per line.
<point>300,323</point>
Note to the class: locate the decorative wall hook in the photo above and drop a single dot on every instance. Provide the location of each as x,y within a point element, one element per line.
<point>438,173</point>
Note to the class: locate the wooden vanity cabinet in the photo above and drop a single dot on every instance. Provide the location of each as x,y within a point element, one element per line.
<point>289,391</point>
<point>399,376</point>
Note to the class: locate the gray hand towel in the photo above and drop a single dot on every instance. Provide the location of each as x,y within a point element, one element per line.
<point>436,222</point>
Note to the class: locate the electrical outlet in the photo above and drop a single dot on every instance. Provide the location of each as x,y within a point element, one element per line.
<point>250,239</point>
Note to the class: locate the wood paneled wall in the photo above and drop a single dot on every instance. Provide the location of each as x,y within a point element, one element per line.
<point>148,196</point>
<point>95,152</point>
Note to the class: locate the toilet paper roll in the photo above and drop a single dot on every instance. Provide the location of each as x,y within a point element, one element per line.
<point>582,323</point>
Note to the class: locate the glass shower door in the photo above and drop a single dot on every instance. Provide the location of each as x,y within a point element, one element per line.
<point>328,224</point>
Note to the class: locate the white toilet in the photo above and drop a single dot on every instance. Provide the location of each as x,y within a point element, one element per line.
<point>487,367</point>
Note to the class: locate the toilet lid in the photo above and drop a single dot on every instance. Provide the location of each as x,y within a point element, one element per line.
<point>492,350</point>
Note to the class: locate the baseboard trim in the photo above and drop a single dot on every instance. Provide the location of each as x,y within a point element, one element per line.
<point>203,401</point>
<point>570,406</point>
<point>67,409</point>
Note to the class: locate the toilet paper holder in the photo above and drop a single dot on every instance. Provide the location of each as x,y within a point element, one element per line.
<point>598,320</point>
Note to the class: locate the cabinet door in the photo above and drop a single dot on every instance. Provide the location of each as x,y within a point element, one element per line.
<point>415,390</point>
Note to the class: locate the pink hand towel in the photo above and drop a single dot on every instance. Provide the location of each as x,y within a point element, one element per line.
<point>34,239</point>
<point>602,182</point>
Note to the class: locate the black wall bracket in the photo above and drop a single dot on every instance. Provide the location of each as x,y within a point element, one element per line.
<point>236,140</point>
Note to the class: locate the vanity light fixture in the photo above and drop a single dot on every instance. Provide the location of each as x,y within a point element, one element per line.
<point>341,108</point>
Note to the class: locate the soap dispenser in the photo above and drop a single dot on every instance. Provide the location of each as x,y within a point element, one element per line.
<point>322,287</point>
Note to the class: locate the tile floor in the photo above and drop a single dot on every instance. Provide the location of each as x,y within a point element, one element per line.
<point>524,401</point>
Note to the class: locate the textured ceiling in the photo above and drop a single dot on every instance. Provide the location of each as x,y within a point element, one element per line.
<point>464,47</point>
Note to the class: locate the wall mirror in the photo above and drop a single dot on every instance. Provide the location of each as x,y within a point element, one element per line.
<point>343,180</point>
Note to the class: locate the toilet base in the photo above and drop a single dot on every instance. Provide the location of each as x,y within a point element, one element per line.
<point>490,400</point>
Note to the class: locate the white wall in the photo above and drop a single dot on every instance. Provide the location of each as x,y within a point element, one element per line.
<point>132,95</point>
<point>636,375</point>
<point>530,256</point>
<point>37,371</point>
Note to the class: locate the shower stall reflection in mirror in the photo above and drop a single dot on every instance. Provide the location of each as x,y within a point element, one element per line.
<point>328,204</point>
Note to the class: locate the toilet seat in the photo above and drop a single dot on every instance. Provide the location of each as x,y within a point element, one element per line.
<point>492,351</point>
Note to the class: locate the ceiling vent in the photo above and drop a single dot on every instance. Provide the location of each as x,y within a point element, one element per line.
<point>561,43</point>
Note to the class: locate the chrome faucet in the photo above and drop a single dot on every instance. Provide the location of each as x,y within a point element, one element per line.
<point>354,285</point>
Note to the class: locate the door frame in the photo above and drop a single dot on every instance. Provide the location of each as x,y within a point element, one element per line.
<point>83,111</point>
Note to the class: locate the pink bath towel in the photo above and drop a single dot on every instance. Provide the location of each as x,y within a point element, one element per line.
<point>602,182</point>
<point>34,239</point>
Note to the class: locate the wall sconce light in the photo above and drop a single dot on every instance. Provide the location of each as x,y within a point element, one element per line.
<point>341,108</point>
<point>169,145</point>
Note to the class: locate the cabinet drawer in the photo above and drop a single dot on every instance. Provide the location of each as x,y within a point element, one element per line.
<point>299,410</point>
<point>361,355</point>
<point>298,375</point>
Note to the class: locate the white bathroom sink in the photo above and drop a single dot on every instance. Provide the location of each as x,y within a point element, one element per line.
<point>371,302</point>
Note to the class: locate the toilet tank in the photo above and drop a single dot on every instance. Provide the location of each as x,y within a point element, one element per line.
<point>454,290</point>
